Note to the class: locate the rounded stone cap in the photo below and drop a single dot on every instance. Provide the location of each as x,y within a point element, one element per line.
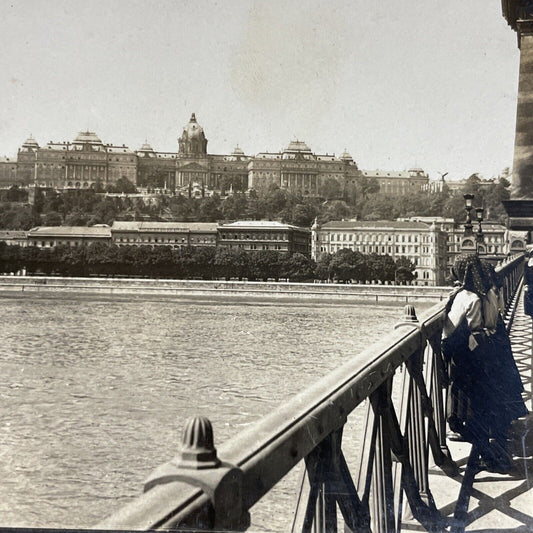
<point>198,449</point>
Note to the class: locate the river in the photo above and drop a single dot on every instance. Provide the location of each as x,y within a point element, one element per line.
<point>95,391</point>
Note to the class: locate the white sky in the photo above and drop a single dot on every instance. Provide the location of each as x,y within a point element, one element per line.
<point>397,83</point>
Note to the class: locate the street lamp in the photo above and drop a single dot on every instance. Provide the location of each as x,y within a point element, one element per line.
<point>468,206</point>
<point>479,235</point>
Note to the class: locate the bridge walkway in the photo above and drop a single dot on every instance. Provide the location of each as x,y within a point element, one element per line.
<point>497,502</point>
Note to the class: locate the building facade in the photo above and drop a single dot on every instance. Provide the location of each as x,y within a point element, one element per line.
<point>87,162</point>
<point>396,183</point>
<point>50,236</point>
<point>174,234</point>
<point>81,164</point>
<point>425,245</point>
<point>256,235</point>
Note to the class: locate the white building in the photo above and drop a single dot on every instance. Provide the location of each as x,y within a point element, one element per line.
<point>423,244</point>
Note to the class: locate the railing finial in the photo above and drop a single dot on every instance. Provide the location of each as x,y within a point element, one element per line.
<point>198,450</point>
<point>409,314</point>
<point>409,317</point>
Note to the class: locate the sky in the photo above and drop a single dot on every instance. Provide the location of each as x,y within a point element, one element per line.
<point>426,83</point>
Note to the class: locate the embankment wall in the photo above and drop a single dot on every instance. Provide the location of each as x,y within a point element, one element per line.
<point>207,289</point>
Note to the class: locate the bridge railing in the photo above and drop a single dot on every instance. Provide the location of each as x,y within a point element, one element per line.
<point>205,488</point>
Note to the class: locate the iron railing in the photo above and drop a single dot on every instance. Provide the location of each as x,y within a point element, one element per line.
<point>206,488</point>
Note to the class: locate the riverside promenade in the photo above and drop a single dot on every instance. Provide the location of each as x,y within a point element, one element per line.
<point>212,289</point>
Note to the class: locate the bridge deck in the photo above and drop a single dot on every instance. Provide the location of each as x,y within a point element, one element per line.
<point>497,502</point>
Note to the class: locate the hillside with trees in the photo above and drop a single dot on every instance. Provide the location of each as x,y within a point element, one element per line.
<point>88,207</point>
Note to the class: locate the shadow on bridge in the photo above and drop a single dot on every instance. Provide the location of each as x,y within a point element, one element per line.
<point>480,501</point>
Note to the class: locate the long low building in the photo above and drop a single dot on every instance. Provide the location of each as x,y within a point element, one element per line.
<point>50,236</point>
<point>246,235</point>
<point>175,234</point>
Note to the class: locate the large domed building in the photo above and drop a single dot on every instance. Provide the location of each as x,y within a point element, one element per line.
<point>86,162</point>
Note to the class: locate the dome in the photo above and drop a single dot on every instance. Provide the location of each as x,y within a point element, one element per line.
<point>298,146</point>
<point>192,141</point>
<point>193,129</point>
<point>238,151</point>
<point>87,137</point>
<point>30,142</point>
<point>146,148</point>
<point>346,156</point>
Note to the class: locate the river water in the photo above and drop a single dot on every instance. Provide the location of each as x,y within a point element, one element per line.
<point>95,392</point>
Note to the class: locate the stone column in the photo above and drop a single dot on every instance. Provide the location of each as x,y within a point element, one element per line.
<point>522,179</point>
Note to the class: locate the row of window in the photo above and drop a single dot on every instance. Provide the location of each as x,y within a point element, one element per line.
<point>256,236</point>
<point>162,240</point>
<point>368,237</point>
<point>257,247</point>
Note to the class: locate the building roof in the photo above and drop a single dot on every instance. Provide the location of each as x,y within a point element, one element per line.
<point>258,224</point>
<point>146,147</point>
<point>30,142</point>
<point>8,235</point>
<point>193,129</point>
<point>139,225</point>
<point>346,156</point>
<point>70,231</point>
<point>375,224</point>
<point>87,137</point>
<point>297,146</point>
<point>118,149</point>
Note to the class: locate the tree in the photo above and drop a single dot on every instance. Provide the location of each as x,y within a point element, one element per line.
<point>53,218</point>
<point>330,189</point>
<point>209,209</point>
<point>122,185</point>
<point>230,263</point>
<point>303,214</point>
<point>264,264</point>
<point>380,267</point>
<point>343,265</point>
<point>405,270</point>
<point>335,210</point>
<point>368,186</point>
<point>234,206</point>
<point>322,270</point>
<point>77,218</point>
<point>298,267</point>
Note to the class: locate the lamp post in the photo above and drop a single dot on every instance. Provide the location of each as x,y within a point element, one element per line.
<point>479,235</point>
<point>468,222</point>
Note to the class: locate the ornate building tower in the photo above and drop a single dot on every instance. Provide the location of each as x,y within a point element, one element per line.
<point>192,142</point>
<point>192,164</point>
<point>519,15</point>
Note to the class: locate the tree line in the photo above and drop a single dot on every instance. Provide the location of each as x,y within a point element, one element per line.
<point>362,201</point>
<point>103,259</point>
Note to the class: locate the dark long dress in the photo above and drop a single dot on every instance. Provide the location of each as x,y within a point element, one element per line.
<point>485,390</point>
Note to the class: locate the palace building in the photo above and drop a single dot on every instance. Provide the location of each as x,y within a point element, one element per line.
<point>87,162</point>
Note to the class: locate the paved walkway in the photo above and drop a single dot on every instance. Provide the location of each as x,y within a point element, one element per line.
<point>497,502</point>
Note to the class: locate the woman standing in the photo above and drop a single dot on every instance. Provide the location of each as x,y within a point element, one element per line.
<point>485,386</point>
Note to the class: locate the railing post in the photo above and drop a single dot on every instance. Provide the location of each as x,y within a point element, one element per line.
<point>198,465</point>
<point>383,519</point>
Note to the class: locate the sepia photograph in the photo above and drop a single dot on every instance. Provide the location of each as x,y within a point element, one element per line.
<point>266,266</point>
